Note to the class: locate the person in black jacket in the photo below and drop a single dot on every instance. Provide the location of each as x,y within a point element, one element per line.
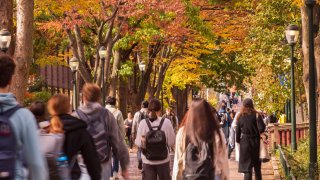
<point>249,127</point>
<point>77,138</point>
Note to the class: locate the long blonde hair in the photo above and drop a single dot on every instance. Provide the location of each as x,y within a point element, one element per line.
<point>58,105</point>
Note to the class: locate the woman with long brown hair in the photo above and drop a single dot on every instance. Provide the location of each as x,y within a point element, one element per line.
<point>200,130</point>
<point>77,138</point>
<point>249,127</point>
<point>159,167</point>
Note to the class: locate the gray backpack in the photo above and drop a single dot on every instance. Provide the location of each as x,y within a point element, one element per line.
<point>98,129</point>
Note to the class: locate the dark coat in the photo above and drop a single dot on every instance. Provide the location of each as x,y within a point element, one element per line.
<point>77,139</point>
<point>248,135</point>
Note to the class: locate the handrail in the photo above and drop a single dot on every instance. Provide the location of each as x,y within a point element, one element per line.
<point>285,164</point>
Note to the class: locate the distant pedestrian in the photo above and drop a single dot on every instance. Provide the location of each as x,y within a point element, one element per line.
<point>232,134</point>
<point>38,109</point>
<point>77,138</point>
<point>155,136</point>
<point>200,145</point>
<point>138,117</point>
<point>101,123</point>
<point>18,132</point>
<point>111,106</point>
<point>172,117</point>
<point>128,125</point>
<point>224,121</point>
<point>249,127</point>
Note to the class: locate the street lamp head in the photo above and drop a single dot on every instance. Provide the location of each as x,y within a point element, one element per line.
<point>74,64</point>
<point>5,39</point>
<point>292,34</point>
<point>142,66</point>
<point>102,52</point>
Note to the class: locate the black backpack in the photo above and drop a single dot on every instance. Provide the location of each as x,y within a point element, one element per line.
<point>98,129</point>
<point>155,143</point>
<point>198,162</point>
<point>142,116</point>
<point>8,152</point>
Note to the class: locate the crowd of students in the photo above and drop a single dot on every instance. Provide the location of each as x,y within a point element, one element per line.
<point>89,143</point>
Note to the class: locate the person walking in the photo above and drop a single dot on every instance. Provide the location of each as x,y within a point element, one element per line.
<point>138,117</point>
<point>224,120</point>
<point>38,109</point>
<point>52,139</point>
<point>101,122</point>
<point>128,125</point>
<point>77,138</point>
<point>18,132</point>
<point>172,117</point>
<point>249,127</point>
<point>155,136</point>
<point>200,132</point>
<point>111,106</point>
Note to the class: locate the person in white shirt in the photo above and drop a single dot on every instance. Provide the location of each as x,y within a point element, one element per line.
<point>156,169</point>
<point>138,116</point>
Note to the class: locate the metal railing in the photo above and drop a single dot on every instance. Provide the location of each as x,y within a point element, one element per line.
<point>285,165</point>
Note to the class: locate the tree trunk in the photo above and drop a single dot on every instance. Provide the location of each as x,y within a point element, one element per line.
<point>123,97</point>
<point>6,21</point>
<point>114,74</point>
<point>305,50</point>
<point>154,50</point>
<point>181,97</point>
<point>24,47</point>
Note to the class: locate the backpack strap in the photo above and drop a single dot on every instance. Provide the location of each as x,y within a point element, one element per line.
<point>11,111</point>
<point>161,123</point>
<point>82,115</point>
<point>148,123</point>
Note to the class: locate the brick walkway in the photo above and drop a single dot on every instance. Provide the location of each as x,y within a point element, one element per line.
<point>267,171</point>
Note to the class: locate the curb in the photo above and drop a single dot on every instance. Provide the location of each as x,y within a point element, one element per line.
<point>275,166</point>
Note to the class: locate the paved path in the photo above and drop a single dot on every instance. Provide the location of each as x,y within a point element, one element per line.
<point>267,171</point>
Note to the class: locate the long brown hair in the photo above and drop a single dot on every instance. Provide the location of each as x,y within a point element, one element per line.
<point>247,107</point>
<point>58,104</point>
<point>201,123</point>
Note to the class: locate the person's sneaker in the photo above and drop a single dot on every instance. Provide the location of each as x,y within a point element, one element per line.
<point>140,165</point>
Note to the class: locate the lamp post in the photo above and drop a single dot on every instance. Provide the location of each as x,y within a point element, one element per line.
<point>292,35</point>
<point>313,166</point>
<point>5,39</point>
<point>103,55</point>
<point>74,66</point>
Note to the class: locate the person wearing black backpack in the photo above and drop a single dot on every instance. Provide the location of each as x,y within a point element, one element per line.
<point>138,117</point>
<point>200,152</point>
<point>155,136</point>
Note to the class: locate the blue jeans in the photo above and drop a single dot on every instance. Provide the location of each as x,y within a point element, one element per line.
<point>115,164</point>
<point>139,155</point>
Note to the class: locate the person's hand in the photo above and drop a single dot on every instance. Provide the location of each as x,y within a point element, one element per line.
<point>125,174</point>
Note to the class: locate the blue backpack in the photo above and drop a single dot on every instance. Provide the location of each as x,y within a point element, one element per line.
<point>8,151</point>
